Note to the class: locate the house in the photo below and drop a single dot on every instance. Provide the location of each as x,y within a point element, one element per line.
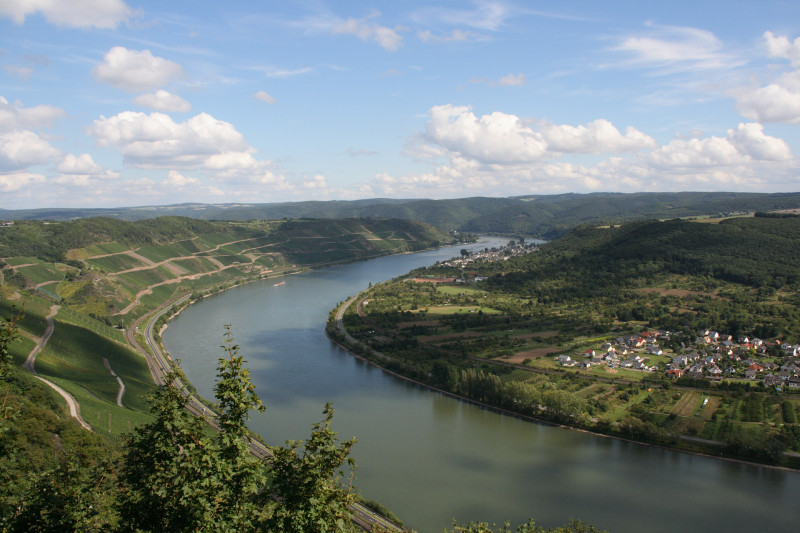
<point>714,371</point>
<point>771,380</point>
<point>750,374</point>
<point>566,360</point>
<point>794,383</point>
<point>654,350</point>
<point>589,353</point>
<point>585,364</point>
<point>681,360</point>
<point>674,372</point>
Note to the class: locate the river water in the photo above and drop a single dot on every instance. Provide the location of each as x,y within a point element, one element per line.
<point>430,458</point>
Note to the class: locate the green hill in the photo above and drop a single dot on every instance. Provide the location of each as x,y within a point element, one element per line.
<point>659,331</point>
<point>545,216</point>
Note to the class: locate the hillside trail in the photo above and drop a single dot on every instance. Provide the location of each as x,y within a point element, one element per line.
<point>30,361</point>
<point>121,391</point>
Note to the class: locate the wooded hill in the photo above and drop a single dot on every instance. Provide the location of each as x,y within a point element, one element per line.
<point>493,333</point>
<point>545,216</point>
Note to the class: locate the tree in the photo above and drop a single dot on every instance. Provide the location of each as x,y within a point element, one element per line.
<point>8,334</point>
<point>175,478</point>
<point>306,484</point>
<point>168,477</point>
<point>242,476</point>
<point>70,497</point>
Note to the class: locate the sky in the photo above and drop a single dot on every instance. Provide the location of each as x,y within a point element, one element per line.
<point>111,103</point>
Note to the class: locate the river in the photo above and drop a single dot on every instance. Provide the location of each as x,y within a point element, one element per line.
<point>430,458</point>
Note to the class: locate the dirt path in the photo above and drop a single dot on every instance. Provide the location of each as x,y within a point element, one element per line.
<point>30,361</point>
<point>121,391</point>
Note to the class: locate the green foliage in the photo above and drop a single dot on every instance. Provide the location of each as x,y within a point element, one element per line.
<point>168,477</point>
<point>241,475</point>
<point>307,482</point>
<point>176,478</point>
<point>8,333</point>
<point>70,497</point>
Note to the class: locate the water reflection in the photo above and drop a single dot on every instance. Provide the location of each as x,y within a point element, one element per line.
<point>431,458</point>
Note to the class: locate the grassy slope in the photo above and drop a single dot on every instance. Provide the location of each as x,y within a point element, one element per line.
<point>64,254</point>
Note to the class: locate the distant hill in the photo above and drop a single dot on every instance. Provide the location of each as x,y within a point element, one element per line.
<point>546,216</point>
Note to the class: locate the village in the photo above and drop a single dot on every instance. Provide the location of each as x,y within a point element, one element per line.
<point>712,356</point>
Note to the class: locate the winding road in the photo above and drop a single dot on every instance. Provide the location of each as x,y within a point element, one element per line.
<point>30,362</point>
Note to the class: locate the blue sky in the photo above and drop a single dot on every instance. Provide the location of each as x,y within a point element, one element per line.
<point>116,103</point>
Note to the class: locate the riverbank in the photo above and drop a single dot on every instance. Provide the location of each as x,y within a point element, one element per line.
<point>339,324</point>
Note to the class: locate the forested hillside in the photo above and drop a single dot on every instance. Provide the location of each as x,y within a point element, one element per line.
<point>596,329</point>
<point>545,216</point>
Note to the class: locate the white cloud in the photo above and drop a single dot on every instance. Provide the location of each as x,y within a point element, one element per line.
<point>201,143</point>
<point>72,13</point>
<point>388,38</point>
<point>22,148</point>
<point>778,101</point>
<point>82,171</point>
<point>264,97</point>
<point>176,179</point>
<point>16,181</point>
<point>427,36</point>
<point>15,117</point>
<point>773,103</point>
<point>511,79</point>
<point>156,141</point>
<point>597,136</point>
<point>499,153</point>
<point>497,137</point>
<point>23,73</point>
<point>489,16</point>
<point>136,71</point>
<point>317,182</point>
<point>506,139</point>
<point>673,48</point>
<point>749,139</point>
<point>272,72</point>
<point>782,47</point>
<point>162,100</point>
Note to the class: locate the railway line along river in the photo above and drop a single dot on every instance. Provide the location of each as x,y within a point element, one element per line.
<point>430,458</point>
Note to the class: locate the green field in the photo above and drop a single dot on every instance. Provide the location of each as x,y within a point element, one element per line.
<point>116,263</point>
